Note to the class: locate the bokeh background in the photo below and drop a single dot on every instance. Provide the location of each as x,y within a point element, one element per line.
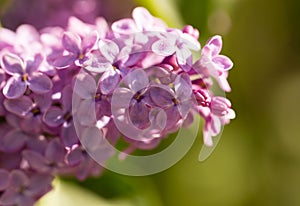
<point>257,161</point>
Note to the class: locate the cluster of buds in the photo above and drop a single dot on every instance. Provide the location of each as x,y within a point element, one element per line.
<point>66,92</point>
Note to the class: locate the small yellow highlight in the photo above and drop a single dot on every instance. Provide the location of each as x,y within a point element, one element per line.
<point>81,56</point>
<point>25,78</point>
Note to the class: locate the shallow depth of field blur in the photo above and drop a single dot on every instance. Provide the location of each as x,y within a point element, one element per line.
<point>257,161</point>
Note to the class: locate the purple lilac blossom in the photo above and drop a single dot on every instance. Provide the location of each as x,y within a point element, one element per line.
<point>57,12</point>
<point>68,92</point>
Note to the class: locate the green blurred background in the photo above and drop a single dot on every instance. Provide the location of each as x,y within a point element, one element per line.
<point>257,161</point>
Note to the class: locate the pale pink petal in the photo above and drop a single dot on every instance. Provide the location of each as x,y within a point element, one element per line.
<point>109,50</point>
<point>215,45</point>
<point>89,41</point>
<point>124,26</point>
<point>223,62</point>
<point>164,47</point>
<point>71,42</point>
<point>142,17</point>
<point>12,64</point>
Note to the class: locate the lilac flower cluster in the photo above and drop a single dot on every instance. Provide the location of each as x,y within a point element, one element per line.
<point>57,12</point>
<point>67,92</point>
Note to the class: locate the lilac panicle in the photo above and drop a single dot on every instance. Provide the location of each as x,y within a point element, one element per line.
<point>67,92</point>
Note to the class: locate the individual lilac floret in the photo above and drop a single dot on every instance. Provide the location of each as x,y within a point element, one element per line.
<point>191,31</point>
<point>107,61</point>
<point>24,74</point>
<point>176,102</point>
<point>25,190</point>
<point>61,118</point>
<point>13,141</point>
<point>30,110</point>
<point>93,107</point>
<point>179,43</point>
<point>142,21</point>
<point>76,49</point>
<point>214,64</point>
<point>221,107</point>
<point>217,112</point>
<point>52,161</point>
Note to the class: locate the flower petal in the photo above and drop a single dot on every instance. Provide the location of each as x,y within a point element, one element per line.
<point>20,106</point>
<point>14,88</point>
<point>55,152</point>
<point>190,42</point>
<point>89,41</point>
<point>40,83</point>
<point>86,113</point>
<point>215,45</point>
<point>223,61</point>
<point>71,42</point>
<point>12,64</point>
<point>183,87</point>
<point>162,96</point>
<point>109,50</point>
<point>13,141</point>
<point>33,65</point>
<point>64,61</point>
<point>74,157</point>
<point>222,80</point>
<point>53,117</point>
<point>91,138</point>
<point>39,185</point>
<point>85,85</point>
<point>139,114</point>
<point>173,116</point>
<point>96,62</point>
<point>4,179</point>
<point>9,197</point>
<point>138,80</point>
<point>36,161</point>
<point>163,47</point>
<point>183,55</point>
<point>124,26</point>
<point>109,81</point>
<point>66,97</point>
<point>142,17</point>
<point>68,135</point>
